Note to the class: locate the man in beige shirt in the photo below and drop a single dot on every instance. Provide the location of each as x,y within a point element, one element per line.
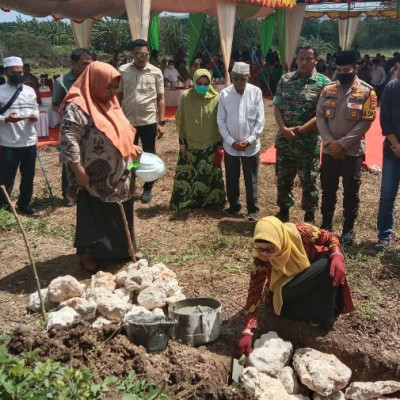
<point>141,94</point>
<point>345,112</point>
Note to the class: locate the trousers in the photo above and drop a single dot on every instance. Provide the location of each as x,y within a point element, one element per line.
<point>306,165</point>
<point>250,174</point>
<point>147,135</point>
<point>11,159</point>
<point>331,170</point>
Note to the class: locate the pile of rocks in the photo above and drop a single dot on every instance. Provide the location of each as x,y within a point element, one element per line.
<point>136,290</point>
<point>269,375</point>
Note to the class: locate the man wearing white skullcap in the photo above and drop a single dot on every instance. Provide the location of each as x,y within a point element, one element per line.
<point>241,122</point>
<point>18,113</point>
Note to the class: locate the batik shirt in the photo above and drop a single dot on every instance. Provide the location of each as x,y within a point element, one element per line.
<point>297,97</point>
<point>82,142</point>
<point>317,243</point>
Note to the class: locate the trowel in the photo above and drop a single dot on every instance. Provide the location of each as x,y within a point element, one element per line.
<point>237,367</point>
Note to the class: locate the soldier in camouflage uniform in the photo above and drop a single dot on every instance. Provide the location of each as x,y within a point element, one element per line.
<point>297,141</point>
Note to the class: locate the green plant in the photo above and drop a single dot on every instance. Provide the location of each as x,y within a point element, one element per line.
<point>26,378</point>
<point>135,389</point>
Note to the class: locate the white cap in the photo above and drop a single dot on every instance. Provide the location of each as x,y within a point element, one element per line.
<point>13,62</point>
<point>151,167</point>
<point>241,68</point>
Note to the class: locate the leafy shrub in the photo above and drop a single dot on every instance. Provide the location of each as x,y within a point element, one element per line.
<point>26,378</point>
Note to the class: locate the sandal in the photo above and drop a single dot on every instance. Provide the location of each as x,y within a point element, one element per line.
<point>90,271</point>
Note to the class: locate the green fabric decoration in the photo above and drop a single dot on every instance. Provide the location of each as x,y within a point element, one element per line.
<point>154,33</point>
<point>267,32</point>
<point>281,19</point>
<point>196,25</point>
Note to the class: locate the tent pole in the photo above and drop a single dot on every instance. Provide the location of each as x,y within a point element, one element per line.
<point>347,25</point>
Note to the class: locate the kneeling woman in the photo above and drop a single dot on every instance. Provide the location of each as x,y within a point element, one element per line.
<point>97,144</point>
<point>303,268</point>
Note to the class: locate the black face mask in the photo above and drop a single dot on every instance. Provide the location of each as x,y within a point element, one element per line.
<point>346,79</point>
<point>15,79</point>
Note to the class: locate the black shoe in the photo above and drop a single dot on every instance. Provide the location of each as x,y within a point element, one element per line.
<point>283,214</point>
<point>26,209</point>
<point>347,238</point>
<point>146,196</point>
<point>232,211</point>
<point>67,202</point>
<point>309,217</point>
<point>382,244</point>
<point>252,217</point>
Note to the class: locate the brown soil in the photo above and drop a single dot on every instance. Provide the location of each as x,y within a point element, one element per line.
<point>186,372</point>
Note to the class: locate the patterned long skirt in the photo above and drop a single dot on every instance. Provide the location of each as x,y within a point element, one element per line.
<point>198,183</point>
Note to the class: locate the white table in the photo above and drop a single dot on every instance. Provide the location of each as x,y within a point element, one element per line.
<point>42,124</point>
<point>172,96</point>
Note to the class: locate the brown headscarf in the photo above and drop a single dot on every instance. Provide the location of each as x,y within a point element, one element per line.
<point>87,93</point>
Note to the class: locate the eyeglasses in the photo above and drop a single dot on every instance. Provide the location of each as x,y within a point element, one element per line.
<point>239,78</point>
<point>269,249</point>
<point>141,55</point>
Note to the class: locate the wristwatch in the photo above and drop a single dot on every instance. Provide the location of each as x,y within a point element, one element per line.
<point>161,123</point>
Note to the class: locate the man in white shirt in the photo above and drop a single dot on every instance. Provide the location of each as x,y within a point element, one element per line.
<point>17,134</point>
<point>241,122</point>
<point>171,74</point>
<point>378,77</point>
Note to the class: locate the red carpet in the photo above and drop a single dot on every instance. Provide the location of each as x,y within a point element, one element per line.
<point>373,141</point>
<point>170,113</point>
<point>51,140</point>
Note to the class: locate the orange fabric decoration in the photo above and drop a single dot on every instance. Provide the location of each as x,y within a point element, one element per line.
<point>87,93</point>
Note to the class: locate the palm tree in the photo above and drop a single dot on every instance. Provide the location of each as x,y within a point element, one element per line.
<point>110,35</point>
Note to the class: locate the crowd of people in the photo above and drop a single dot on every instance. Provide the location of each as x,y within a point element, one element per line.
<point>109,109</point>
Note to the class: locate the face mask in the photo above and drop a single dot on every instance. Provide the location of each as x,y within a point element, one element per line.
<point>346,79</point>
<point>201,90</point>
<point>15,79</point>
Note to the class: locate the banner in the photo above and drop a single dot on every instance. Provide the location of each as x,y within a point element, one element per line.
<point>196,25</point>
<point>267,33</point>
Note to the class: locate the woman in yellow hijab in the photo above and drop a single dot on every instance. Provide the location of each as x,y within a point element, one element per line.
<point>302,268</point>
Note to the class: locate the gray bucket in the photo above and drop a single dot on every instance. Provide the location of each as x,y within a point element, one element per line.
<point>198,320</point>
<point>152,334</point>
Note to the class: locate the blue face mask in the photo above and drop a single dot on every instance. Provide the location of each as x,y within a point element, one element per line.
<point>201,90</point>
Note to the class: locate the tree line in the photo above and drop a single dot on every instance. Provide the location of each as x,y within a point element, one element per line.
<point>44,39</point>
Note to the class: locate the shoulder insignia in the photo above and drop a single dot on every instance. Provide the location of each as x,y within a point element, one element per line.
<point>365,84</point>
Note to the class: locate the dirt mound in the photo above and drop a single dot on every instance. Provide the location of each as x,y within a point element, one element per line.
<point>186,372</point>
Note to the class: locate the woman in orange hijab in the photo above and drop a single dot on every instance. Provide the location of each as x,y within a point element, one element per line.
<point>97,144</point>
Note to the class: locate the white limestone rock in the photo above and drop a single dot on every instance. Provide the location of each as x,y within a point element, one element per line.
<point>64,317</point>
<point>289,380</point>
<point>171,287</point>
<point>123,294</point>
<point>140,279</point>
<point>249,378</point>
<point>158,311</point>
<point>298,397</point>
<point>120,278</point>
<point>371,390</point>
<point>104,280</point>
<point>34,301</point>
<point>64,288</point>
<point>109,305</point>
<point>161,271</point>
<point>174,299</point>
<point>137,265</point>
<point>271,354</point>
<point>270,389</point>
<point>334,396</point>
<point>85,308</point>
<point>323,373</point>
<point>100,322</point>
<point>152,297</point>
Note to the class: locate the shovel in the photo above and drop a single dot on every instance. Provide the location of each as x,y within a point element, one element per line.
<point>237,367</point>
